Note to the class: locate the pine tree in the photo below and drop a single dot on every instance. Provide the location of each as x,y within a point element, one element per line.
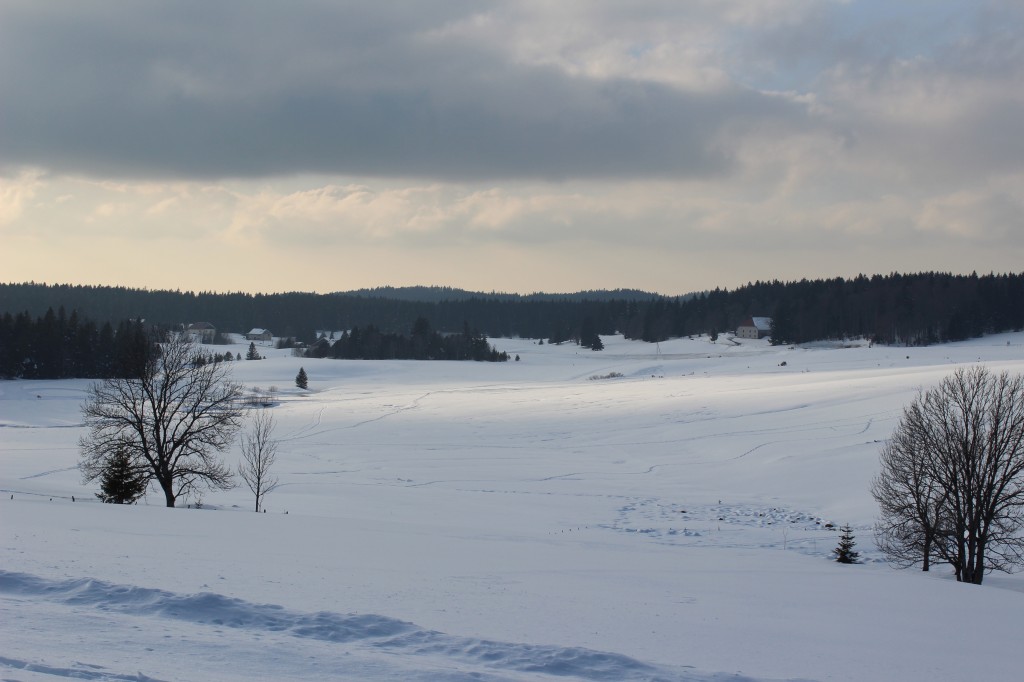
<point>252,354</point>
<point>844,552</point>
<point>121,482</point>
<point>588,333</point>
<point>301,380</point>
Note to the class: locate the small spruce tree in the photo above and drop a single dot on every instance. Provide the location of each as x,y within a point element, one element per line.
<point>301,380</point>
<point>253,354</point>
<point>121,482</point>
<point>844,552</point>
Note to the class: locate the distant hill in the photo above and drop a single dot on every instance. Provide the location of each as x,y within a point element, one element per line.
<point>436,294</point>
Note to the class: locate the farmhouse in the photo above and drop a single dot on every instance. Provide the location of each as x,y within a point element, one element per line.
<point>259,334</point>
<point>755,328</point>
<point>201,332</point>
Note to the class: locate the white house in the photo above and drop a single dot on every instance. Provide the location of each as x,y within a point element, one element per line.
<point>755,328</point>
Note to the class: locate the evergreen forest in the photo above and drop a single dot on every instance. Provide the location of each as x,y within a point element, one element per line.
<point>61,346</point>
<point>39,340</point>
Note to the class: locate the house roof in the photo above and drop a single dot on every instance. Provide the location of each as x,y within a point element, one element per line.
<point>200,326</point>
<point>259,330</point>
<point>762,324</point>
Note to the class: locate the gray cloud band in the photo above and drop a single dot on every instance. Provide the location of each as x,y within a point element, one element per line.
<point>229,90</point>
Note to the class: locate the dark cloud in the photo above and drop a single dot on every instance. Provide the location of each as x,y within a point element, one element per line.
<point>241,89</point>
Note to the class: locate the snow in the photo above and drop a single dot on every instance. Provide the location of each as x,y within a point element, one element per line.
<point>535,520</point>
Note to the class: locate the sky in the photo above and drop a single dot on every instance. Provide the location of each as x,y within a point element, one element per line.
<point>670,146</point>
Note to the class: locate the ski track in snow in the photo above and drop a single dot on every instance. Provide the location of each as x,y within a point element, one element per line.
<point>306,430</point>
<point>43,426</point>
<point>487,659</point>
<point>394,410</point>
<point>47,473</point>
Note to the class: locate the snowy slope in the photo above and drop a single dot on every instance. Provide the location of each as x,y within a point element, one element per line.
<point>514,521</point>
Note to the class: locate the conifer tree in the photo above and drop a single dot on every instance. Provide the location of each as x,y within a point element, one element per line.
<point>121,481</point>
<point>844,552</point>
<point>301,380</point>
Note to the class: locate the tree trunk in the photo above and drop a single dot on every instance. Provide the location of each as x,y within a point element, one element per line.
<point>979,565</point>
<point>169,495</point>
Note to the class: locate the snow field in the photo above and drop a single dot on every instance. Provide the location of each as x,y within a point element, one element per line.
<point>514,521</point>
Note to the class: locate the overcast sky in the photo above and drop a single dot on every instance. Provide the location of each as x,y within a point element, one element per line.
<point>666,145</point>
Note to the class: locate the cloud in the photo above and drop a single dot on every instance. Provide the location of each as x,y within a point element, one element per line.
<point>16,191</point>
<point>231,90</point>
<point>456,91</point>
<point>753,139</point>
<point>425,214</point>
<point>989,214</point>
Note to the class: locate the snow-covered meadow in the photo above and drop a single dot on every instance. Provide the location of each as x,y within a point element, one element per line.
<point>540,519</point>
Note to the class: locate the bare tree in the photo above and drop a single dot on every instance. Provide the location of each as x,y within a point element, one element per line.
<point>952,477</point>
<point>259,451</point>
<point>909,496</point>
<point>173,420</point>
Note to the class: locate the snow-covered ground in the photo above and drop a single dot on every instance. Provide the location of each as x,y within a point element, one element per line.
<point>517,521</point>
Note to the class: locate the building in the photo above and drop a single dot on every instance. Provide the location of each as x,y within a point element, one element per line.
<point>201,332</point>
<point>259,334</point>
<point>754,328</point>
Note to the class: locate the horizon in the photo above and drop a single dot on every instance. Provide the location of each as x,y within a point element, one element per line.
<point>345,291</point>
<point>495,292</point>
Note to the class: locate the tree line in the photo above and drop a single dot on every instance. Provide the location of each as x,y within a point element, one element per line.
<point>299,315</point>
<point>422,343</point>
<point>61,346</point>
<point>910,309</point>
